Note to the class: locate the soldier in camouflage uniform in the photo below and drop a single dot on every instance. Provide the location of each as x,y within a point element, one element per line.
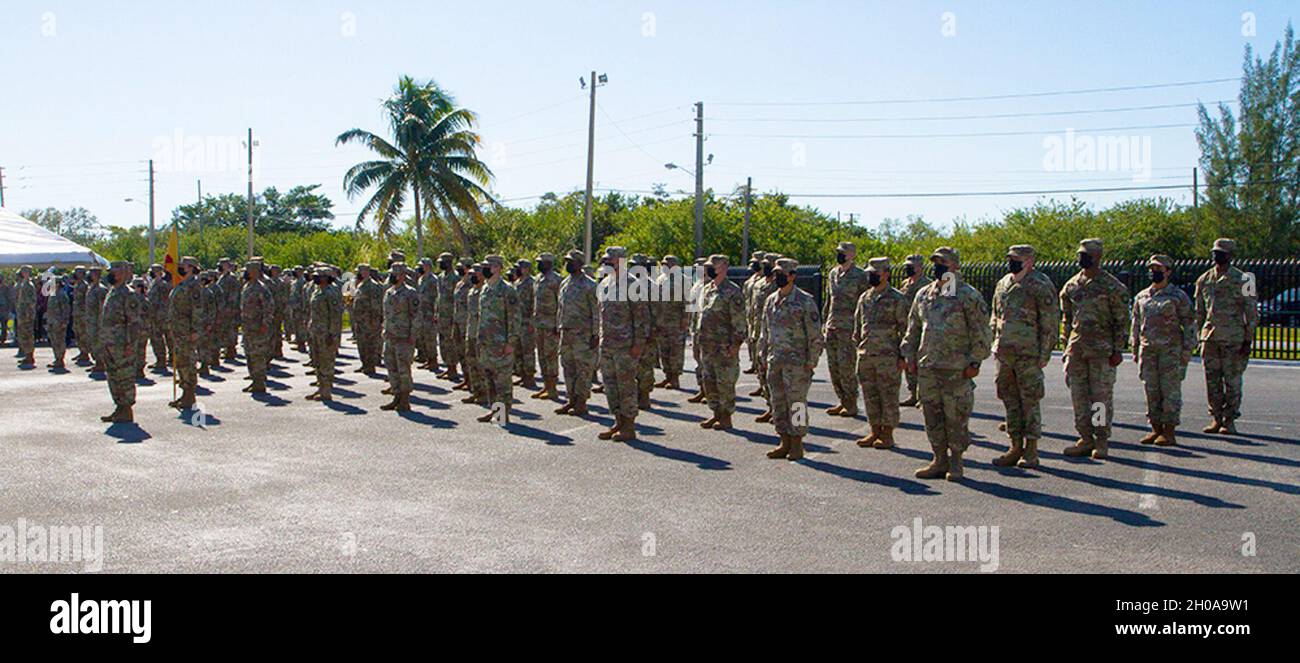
<point>844,286</point>
<point>500,326</point>
<point>279,322</point>
<point>209,343</point>
<point>624,335</point>
<point>672,321</point>
<point>478,392</point>
<point>426,323</point>
<point>79,288</point>
<point>761,292</point>
<point>293,301</point>
<point>460,313</point>
<point>525,368</point>
<point>1095,306</point>
<point>914,280</point>
<point>948,337</point>
<point>25,317</point>
<point>578,319</point>
<point>186,316</point>
<point>1026,322</point>
<point>722,330</point>
<point>1163,336</point>
<point>300,300</point>
<point>256,314</point>
<point>640,280</point>
<point>546,325</point>
<point>401,311</point>
<point>58,313</point>
<point>325,324</point>
<point>1226,315</point>
<point>368,315</point>
<point>228,286</point>
<point>700,280</point>
<point>447,344</point>
<point>791,342</point>
<point>141,289</point>
<point>747,291</point>
<point>96,293</point>
<point>159,289</point>
<point>879,323</point>
<point>6,308</point>
<point>121,326</point>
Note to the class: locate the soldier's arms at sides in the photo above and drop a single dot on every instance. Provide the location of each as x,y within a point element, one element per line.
<point>1187,316</point>
<point>816,341</point>
<point>912,337</point>
<point>739,326</point>
<point>514,321</point>
<point>1119,310</point>
<point>976,314</point>
<point>1049,323</point>
<point>1250,312</point>
<point>1135,330</point>
<point>1067,317</point>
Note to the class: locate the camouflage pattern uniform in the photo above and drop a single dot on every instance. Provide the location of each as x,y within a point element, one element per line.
<point>186,316</point>
<point>645,375</point>
<point>25,313</point>
<point>96,293</point>
<point>473,369</point>
<point>912,285</point>
<point>879,323</point>
<point>1163,336</point>
<point>369,314</point>
<point>761,293</point>
<point>460,314</point>
<point>1226,315</point>
<point>498,333</point>
<point>546,324</point>
<point>58,312</point>
<point>747,291</point>
<point>121,326</point>
<point>426,322</point>
<point>256,315</point>
<point>78,315</point>
<point>525,360</point>
<point>6,309</point>
<point>947,332</point>
<point>401,327</point>
<point>624,327</point>
<point>302,307</point>
<point>722,330</point>
<point>209,341</point>
<point>696,286</point>
<point>1096,313</point>
<point>140,288</point>
<point>293,303</point>
<point>159,330</point>
<point>671,322</point>
<point>844,286</point>
<point>578,316</point>
<point>280,320</point>
<point>325,324</point>
<point>448,345</point>
<point>791,343</point>
<point>1026,322</point>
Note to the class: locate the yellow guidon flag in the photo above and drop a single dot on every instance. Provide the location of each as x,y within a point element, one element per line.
<point>172,261</point>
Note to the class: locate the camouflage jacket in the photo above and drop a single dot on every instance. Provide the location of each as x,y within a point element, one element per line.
<point>256,308</point>
<point>911,288</point>
<point>327,312</point>
<point>6,299</point>
<point>460,303</point>
<point>210,300</point>
<point>159,290</point>
<point>427,293</point>
<point>670,316</point>
<point>95,296</point>
<point>296,300</point>
<point>843,290</point>
<point>879,323</point>
<point>623,323</point>
<point>1026,317</point>
<point>185,309</point>
<point>948,331</point>
<point>500,319</point>
<point>368,302</point>
<point>1163,319</point>
<point>722,323</point>
<point>121,321</point>
<point>471,311</point>
<point>24,300</point>
<point>1226,308</point>
<point>58,309</point>
<point>792,330</point>
<point>401,309</point>
<point>447,297</point>
<point>78,300</point>
<point>524,289</point>
<point>280,295</point>
<point>1096,315</point>
<point>228,286</point>
<point>577,311</point>
<point>758,299</point>
<point>546,301</point>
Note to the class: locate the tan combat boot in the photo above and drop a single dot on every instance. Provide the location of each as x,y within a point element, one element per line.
<point>392,405</point>
<point>910,402</point>
<point>1081,448</point>
<point>1012,456</point>
<point>1030,457</point>
<point>1227,427</point>
<point>886,440</point>
<point>627,432</point>
<point>764,418</point>
<point>1166,437</point>
<point>937,467</point>
<point>404,405</point>
<point>579,408</point>
<point>564,409</point>
<point>1099,448</point>
<point>955,470</point>
<point>757,392</point>
<point>835,411</point>
<point>124,416</point>
<point>1150,438</point>
<point>723,422</point>
<point>871,439</point>
<point>782,450</point>
<point>111,416</point>
<point>674,382</point>
<point>1212,428</point>
<point>697,398</point>
<point>662,384</point>
<point>796,448</point>
<point>613,430</point>
<point>708,423</point>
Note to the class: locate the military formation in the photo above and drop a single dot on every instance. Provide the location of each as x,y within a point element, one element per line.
<point>490,325</point>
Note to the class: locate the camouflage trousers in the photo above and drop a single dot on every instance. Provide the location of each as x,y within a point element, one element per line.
<point>290,324</point>
<point>78,330</point>
<point>398,356</point>
<point>619,371</point>
<point>230,334</point>
<point>719,371</point>
<point>841,359</point>
<point>92,342</point>
<point>277,335</point>
<point>1162,372</point>
<point>1092,390</point>
<point>370,345</point>
<point>947,400</point>
<point>1224,367</point>
<point>426,340</point>
<point>787,383</point>
<point>579,362</point>
<point>140,348</point>
<point>751,349</point>
<point>160,339</point>
<point>645,375</point>
<point>447,344</point>
<point>121,369</point>
<point>184,355</point>
<point>25,332</point>
<point>672,353</point>
<point>473,370</point>
<point>58,333</point>
<point>879,377</point>
<point>547,343</point>
<point>324,349</point>
<point>496,367</point>
<point>257,354</point>
<point>1020,388</point>
<point>525,363</point>
<point>911,382</point>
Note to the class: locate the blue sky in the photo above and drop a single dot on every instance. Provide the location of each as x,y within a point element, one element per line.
<point>93,89</point>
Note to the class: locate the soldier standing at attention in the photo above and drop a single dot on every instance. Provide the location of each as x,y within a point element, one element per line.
<point>578,317</point>
<point>79,287</point>
<point>228,286</point>
<point>326,320</point>
<point>141,289</point>
<point>643,285</point>
<point>257,312</point>
<point>159,289</point>
<point>58,313</point>
<point>368,319</point>
<point>914,280</point>
<point>186,316</point>
<point>293,302</point>
<point>672,321</point>
<point>948,336</point>
<point>844,286</point>
<point>473,372</point>
<point>500,324</point>
<point>401,308</point>
<point>6,308</point>
<point>747,290</point>
<point>701,279</point>
<point>879,323</point>
<point>1226,315</point>
<point>96,293</point>
<point>280,296</point>
<point>624,335</point>
<point>121,326</point>
<point>25,317</point>
<point>460,313</point>
<point>722,330</point>
<point>302,314</point>
<point>1163,337</point>
<point>546,326</point>
<point>791,342</point>
<point>1026,321</point>
<point>762,291</point>
<point>525,367</point>
<point>426,323</point>
<point>209,343</point>
<point>447,343</point>
<point>1095,306</point>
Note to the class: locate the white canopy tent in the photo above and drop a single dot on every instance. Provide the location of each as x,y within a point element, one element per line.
<point>25,243</point>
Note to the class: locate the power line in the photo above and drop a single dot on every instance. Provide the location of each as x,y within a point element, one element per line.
<point>989,116</point>
<point>976,134</point>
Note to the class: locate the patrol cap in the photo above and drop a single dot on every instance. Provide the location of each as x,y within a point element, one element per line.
<point>787,265</point>
<point>771,257</point>
<point>361,266</point>
<point>444,256</point>
<point>117,264</point>
<point>465,261</point>
<point>915,259</point>
<point>324,271</point>
<point>1021,251</point>
<point>947,253</point>
<point>524,262</point>
<point>639,258</point>
<point>30,269</point>
<point>546,257</point>
<point>878,265</point>
<point>671,260</point>
<point>273,267</point>
<point>79,268</point>
<point>156,265</point>
<point>398,267</point>
<point>494,259</point>
<point>719,259</point>
<point>396,254</point>
<point>1162,260</point>
<point>699,262</point>
<point>847,247</point>
<point>1224,244</point>
<point>758,256</point>
<point>426,260</point>
<point>1091,246</point>
<point>187,260</point>
<point>95,268</point>
<point>615,252</point>
<point>225,261</point>
<point>254,262</point>
<point>576,256</point>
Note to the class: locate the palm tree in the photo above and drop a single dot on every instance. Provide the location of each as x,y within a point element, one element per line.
<point>432,155</point>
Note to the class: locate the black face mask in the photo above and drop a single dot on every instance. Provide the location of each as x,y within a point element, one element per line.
<point>711,272</point>
<point>909,270</point>
<point>1221,258</point>
<point>460,271</point>
<point>475,278</point>
<point>571,267</point>
<point>873,278</point>
<point>1085,260</point>
<point>487,272</point>
<point>392,278</point>
<point>755,268</point>
<point>841,258</point>
<point>1015,266</point>
<point>781,280</point>
<point>544,267</point>
<point>767,270</point>
<point>939,269</point>
<point>445,266</point>
<point>1157,276</point>
<point>111,278</point>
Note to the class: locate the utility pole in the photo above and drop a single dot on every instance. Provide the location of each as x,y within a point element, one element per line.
<point>699,179</point>
<point>2,187</point>
<point>151,228</point>
<point>749,203</point>
<point>1195,192</point>
<point>198,216</point>
<point>250,193</point>
<point>591,156</point>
